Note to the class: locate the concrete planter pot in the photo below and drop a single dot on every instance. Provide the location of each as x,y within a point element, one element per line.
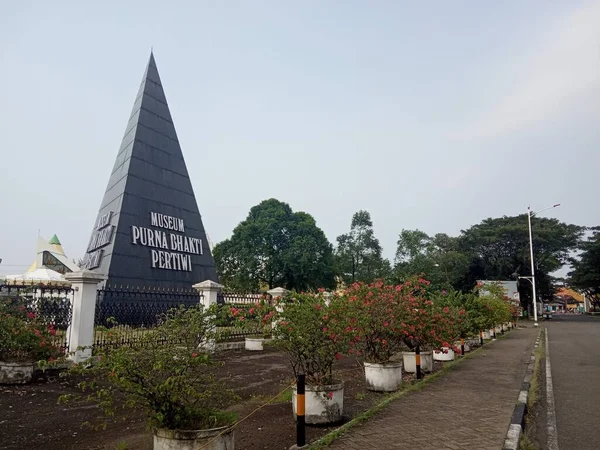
<point>487,335</point>
<point>214,439</point>
<point>16,372</point>
<point>467,345</point>
<point>471,342</point>
<point>255,344</point>
<point>385,377</point>
<point>323,404</point>
<point>410,365</point>
<point>445,354</point>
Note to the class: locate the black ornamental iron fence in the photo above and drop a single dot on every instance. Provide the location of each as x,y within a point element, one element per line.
<point>124,315</point>
<point>52,303</point>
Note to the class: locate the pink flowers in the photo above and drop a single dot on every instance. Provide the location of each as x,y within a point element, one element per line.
<point>30,315</point>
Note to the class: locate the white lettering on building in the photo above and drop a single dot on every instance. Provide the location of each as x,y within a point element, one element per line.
<point>175,249</point>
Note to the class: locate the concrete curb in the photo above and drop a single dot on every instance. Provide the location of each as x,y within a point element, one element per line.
<point>513,435</point>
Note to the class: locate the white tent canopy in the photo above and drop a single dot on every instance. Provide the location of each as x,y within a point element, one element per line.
<point>38,276</point>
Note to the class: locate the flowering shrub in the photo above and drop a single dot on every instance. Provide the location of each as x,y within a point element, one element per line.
<point>304,331</point>
<point>461,306</point>
<point>369,319</point>
<point>430,325</point>
<point>175,384</point>
<point>23,335</point>
<point>258,317</point>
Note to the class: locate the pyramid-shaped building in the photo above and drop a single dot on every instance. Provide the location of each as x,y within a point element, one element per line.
<point>149,232</point>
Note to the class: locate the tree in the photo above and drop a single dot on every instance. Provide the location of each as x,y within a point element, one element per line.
<point>437,257</point>
<point>498,248</point>
<point>585,275</point>
<point>274,247</point>
<point>359,254</point>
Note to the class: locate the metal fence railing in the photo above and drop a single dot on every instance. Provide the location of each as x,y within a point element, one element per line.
<point>124,315</point>
<point>51,303</point>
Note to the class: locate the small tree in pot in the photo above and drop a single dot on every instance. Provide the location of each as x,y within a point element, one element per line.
<point>304,331</point>
<point>427,326</point>
<point>370,317</point>
<point>25,339</point>
<point>169,376</point>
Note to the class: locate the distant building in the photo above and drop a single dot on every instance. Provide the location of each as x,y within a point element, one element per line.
<point>510,288</point>
<point>50,255</point>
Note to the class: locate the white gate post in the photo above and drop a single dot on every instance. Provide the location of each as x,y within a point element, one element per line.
<point>81,331</point>
<point>277,293</point>
<point>209,290</point>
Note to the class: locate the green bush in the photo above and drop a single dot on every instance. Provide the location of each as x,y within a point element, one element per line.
<point>169,373</point>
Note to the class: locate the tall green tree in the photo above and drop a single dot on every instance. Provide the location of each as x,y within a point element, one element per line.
<point>437,257</point>
<point>585,275</point>
<point>498,248</point>
<point>274,247</point>
<point>359,254</point>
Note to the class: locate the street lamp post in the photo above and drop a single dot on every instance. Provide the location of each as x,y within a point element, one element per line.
<point>530,214</point>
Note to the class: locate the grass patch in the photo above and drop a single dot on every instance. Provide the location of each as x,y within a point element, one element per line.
<point>534,387</point>
<point>405,389</point>
<point>284,397</point>
<point>527,444</point>
<point>528,441</point>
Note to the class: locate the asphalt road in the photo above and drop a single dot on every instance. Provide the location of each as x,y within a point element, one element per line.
<point>575,364</point>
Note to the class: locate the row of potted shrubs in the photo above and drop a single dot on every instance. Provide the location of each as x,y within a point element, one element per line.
<point>171,373</point>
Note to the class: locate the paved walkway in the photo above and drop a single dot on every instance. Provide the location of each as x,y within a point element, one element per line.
<point>469,408</point>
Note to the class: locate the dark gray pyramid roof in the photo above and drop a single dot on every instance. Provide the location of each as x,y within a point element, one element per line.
<point>150,176</point>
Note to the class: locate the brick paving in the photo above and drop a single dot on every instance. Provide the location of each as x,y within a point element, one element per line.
<point>468,408</point>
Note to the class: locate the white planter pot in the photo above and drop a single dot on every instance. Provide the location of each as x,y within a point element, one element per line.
<point>214,439</point>
<point>323,404</point>
<point>410,365</point>
<point>487,335</point>
<point>499,330</point>
<point>445,354</point>
<point>16,372</point>
<point>383,377</point>
<point>472,342</point>
<point>255,344</point>
<point>467,345</point>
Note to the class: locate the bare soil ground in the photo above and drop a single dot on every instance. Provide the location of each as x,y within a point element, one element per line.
<point>31,418</point>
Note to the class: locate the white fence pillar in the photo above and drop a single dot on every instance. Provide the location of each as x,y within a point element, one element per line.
<point>81,331</point>
<point>209,290</point>
<point>277,292</point>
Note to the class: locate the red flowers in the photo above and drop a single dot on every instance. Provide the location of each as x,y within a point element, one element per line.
<point>30,315</point>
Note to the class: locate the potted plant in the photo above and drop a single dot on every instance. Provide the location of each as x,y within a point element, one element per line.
<point>305,333</point>
<point>454,304</point>
<point>258,319</point>
<point>371,319</point>
<point>171,377</point>
<point>25,340</point>
<point>429,327</point>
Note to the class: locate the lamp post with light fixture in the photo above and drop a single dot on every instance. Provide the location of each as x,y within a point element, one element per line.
<point>531,279</point>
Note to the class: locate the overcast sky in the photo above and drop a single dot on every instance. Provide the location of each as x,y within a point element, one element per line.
<point>432,117</point>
